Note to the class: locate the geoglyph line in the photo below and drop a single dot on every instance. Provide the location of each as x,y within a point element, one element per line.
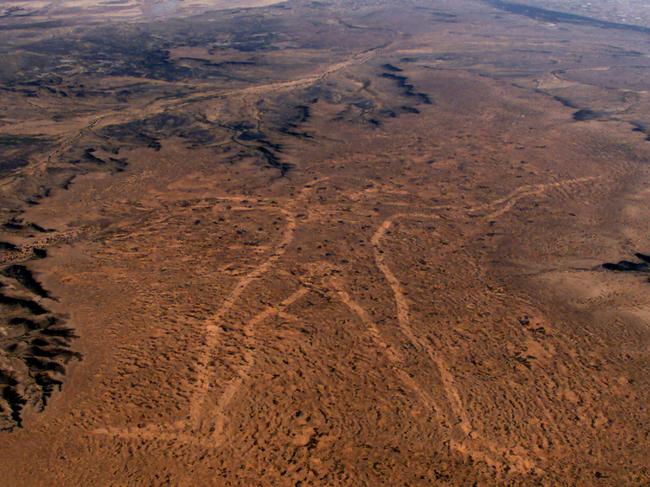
<point>526,191</point>
<point>244,371</point>
<point>393,356</point>
<point>189,431</point>
<point>212,338</point>
<point>212,325</point>
<point>469,444</point>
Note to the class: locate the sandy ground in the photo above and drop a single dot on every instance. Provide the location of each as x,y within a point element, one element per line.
<point>370,254</point>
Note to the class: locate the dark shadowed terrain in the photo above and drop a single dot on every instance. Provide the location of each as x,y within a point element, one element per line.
<point>324,243</point>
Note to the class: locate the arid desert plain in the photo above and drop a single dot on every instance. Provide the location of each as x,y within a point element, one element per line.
<point>324,243</point>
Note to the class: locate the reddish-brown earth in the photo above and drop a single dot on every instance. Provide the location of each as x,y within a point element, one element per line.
<point>326,243</point>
